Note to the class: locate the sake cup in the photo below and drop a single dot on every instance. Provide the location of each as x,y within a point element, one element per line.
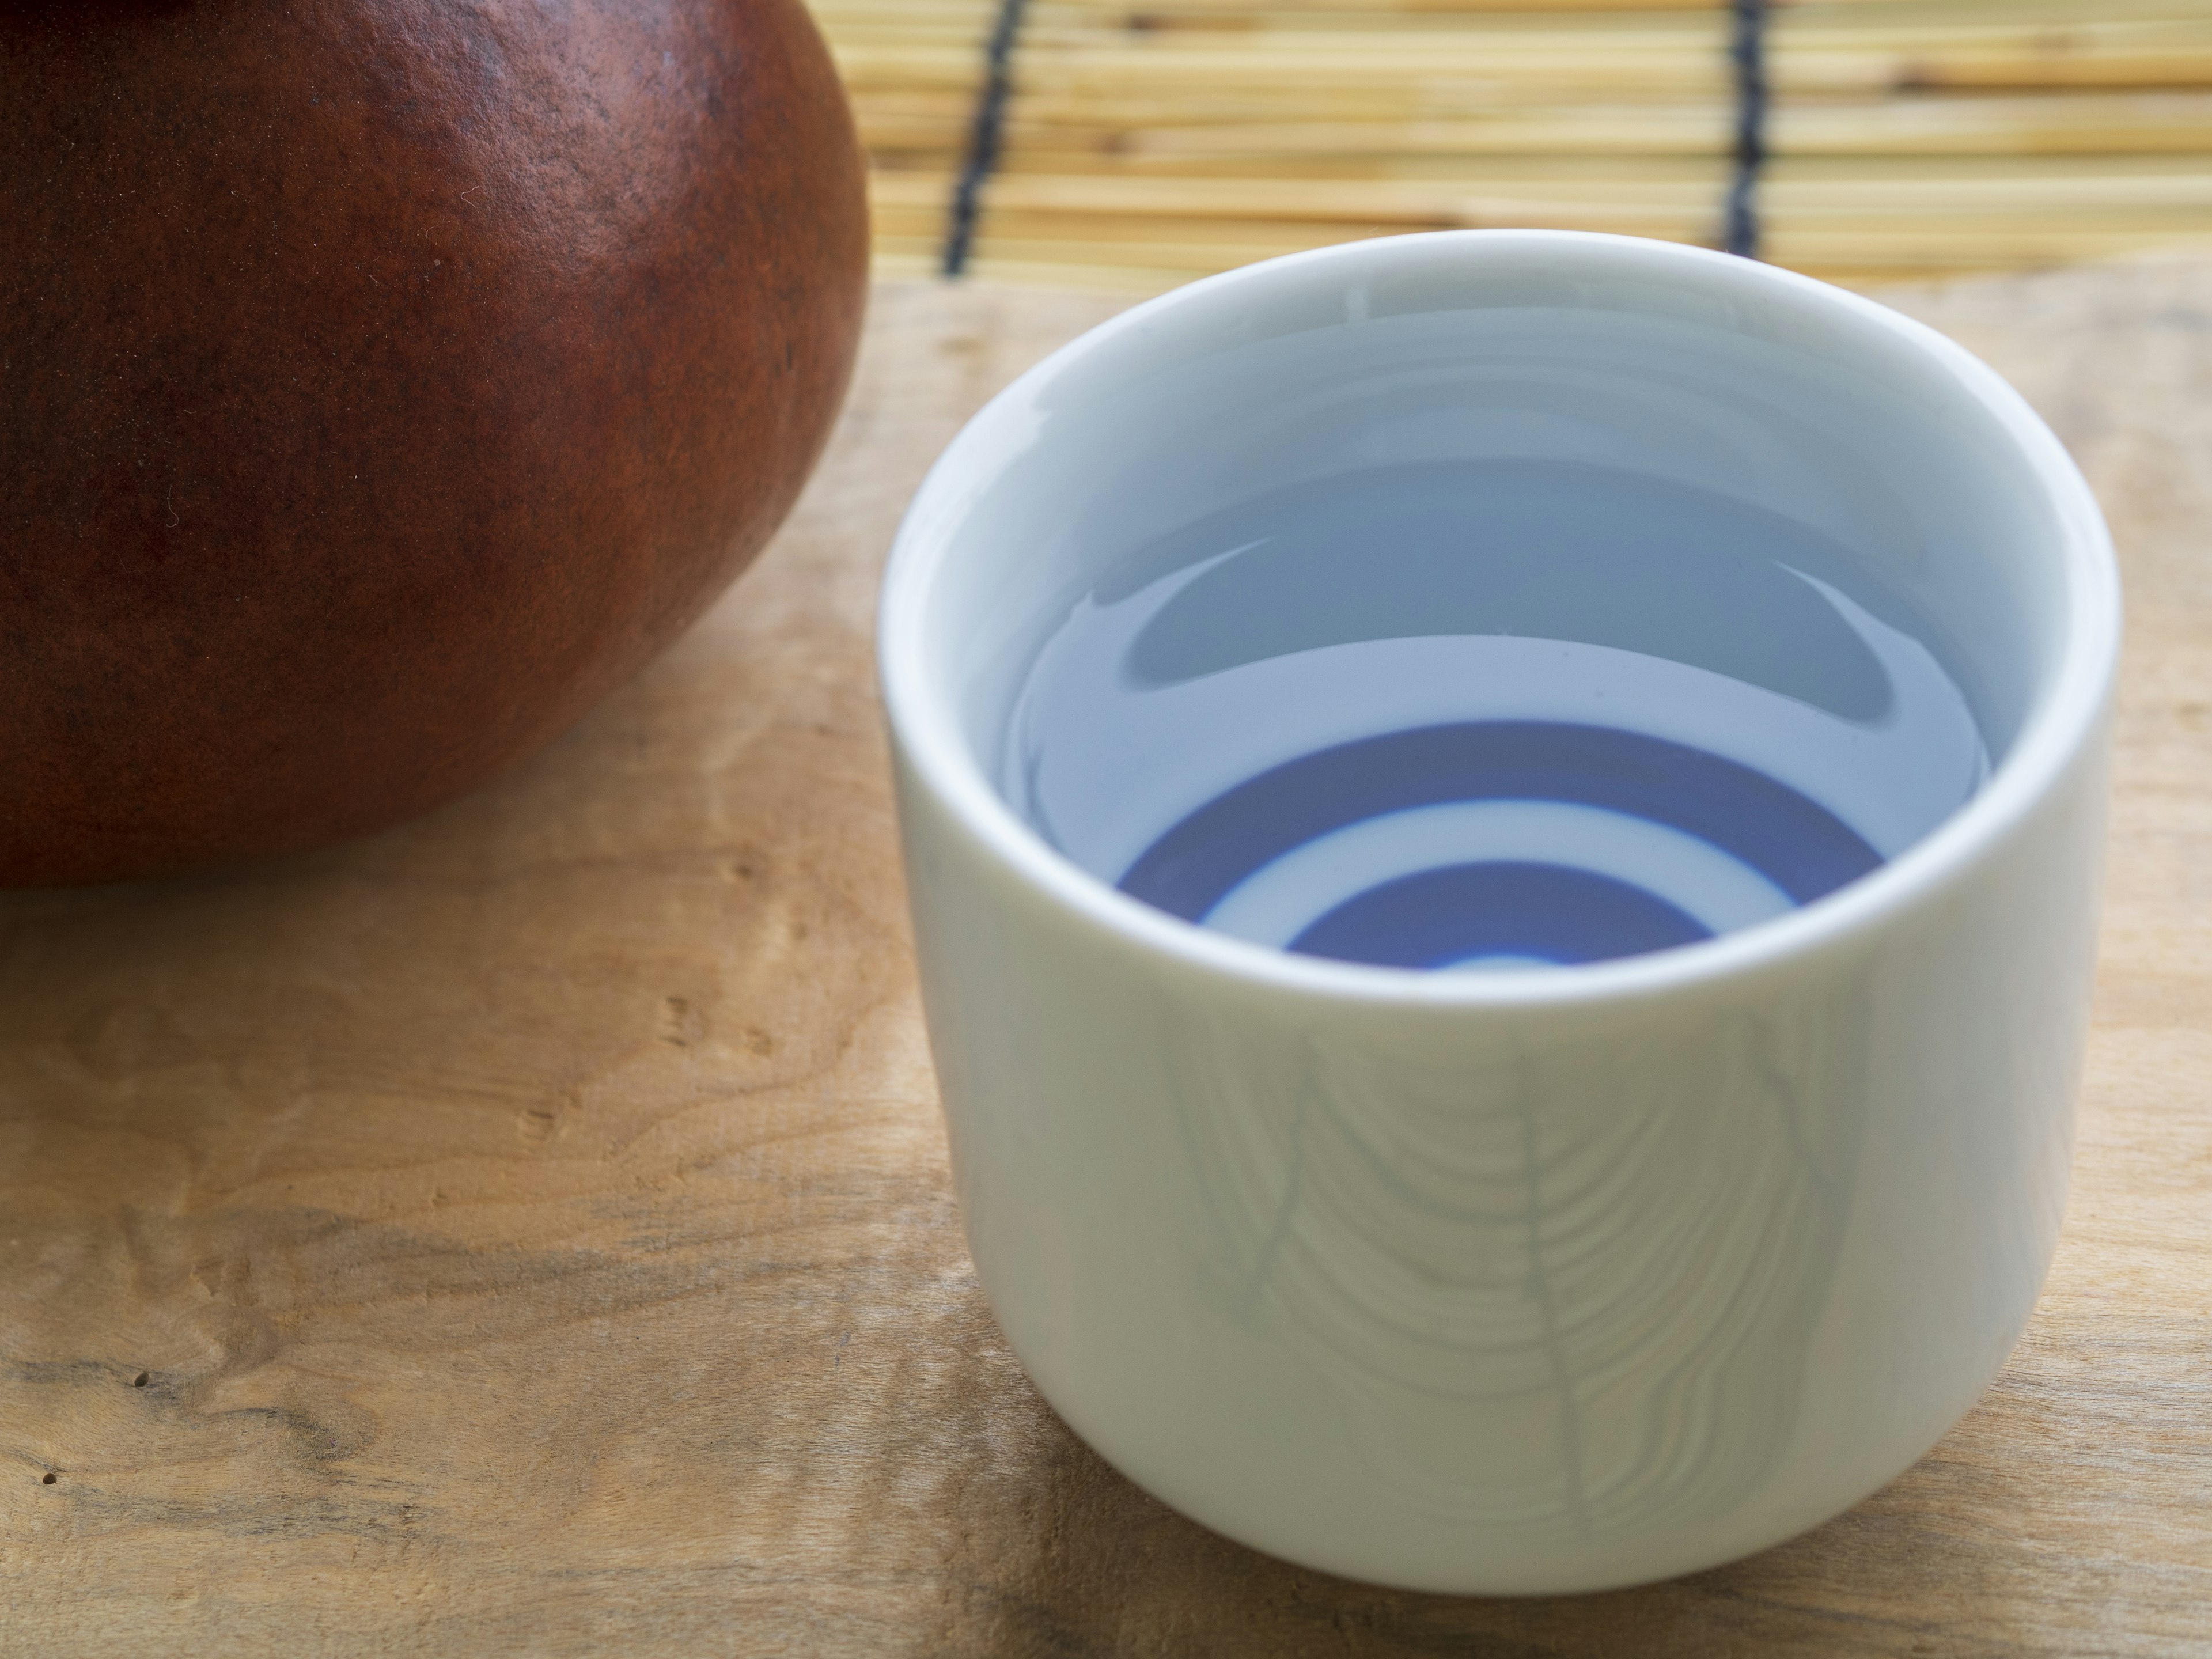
<point>1519,1281</point>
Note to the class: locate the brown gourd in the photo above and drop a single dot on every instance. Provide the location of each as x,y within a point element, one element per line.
<point>382,382</point>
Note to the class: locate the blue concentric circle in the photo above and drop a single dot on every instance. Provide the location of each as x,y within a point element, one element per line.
<point>1472,913</point>
<point>1517,908</point>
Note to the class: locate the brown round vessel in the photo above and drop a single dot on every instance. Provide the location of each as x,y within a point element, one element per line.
<point>382,382</point>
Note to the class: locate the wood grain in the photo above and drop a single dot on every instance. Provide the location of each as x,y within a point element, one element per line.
<point>532,1227</point>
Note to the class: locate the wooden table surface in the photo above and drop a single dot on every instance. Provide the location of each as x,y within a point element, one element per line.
<point>529,1230</point>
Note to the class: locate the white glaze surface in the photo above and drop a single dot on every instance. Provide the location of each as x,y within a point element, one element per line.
<point>1514,1281</point>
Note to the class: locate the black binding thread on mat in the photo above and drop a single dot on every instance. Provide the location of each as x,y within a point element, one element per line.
<point>983,136</point>
<point>1748,50</point>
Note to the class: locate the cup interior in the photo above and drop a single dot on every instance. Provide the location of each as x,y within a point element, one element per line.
<point>1288,518</point>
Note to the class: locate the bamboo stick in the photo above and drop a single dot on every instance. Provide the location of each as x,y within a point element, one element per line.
<point>1278,78</point>
<point>1933,244</point>
<point>1582,171</point>
<point>2015,126</point>
<point>1143,38</point>
<point>2011,56</point>
<point>2056,55</point>
<point>1872,12</point>
<point>2015,230</point>
<point>1236,199</point>
<point>1909,22</point>
<point>1152,28</point>
<point>2002,247</point>
<point>1656,71</point>
<point>1675,223</point>
<point>1137,282</point>
<point>2150,199</point>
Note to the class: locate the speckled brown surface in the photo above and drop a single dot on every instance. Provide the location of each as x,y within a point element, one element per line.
<point>533,1228</point>
<point>384,381</point>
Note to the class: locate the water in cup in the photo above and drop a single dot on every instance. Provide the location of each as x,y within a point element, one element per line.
<point>1483,714</point>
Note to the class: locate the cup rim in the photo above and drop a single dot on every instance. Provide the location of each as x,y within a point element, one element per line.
<point>927,733</point>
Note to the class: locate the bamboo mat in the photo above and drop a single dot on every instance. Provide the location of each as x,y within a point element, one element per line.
<point>1150,142</point>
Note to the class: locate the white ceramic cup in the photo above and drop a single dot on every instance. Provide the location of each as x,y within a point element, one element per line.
<point>1523,1281</point>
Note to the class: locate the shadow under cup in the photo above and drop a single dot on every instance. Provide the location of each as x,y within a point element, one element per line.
<point>1498,602</point>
